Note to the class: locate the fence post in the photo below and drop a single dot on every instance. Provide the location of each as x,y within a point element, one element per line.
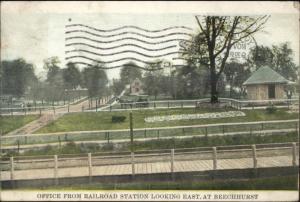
<point>68,108</point>
<point>206,132</point>
<point>157,134</point>
<point>223,129</point>
<point>132,164</point>
<point>59,141</point>
<point>12,168</point>
<point>110,108</point>
<point>18,143</point>
<point>254,156</point>
<point>168,105</point>
<point>40,111</point>
<point>154,104</point>
<point>82,108</point>
<point>172,162</point>
<point>262,126</point>
<point>145,133</point>
<point>214,158</point>
<point>294,150</point>
<point>56,169</point>
<point>107,137</point>
<point>90,166</point>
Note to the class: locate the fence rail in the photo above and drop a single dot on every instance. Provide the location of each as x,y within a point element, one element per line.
<point>172,158</point>
<point>143,134</point>
<point>162,104</point>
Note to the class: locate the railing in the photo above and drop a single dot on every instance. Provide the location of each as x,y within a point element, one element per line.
<point>251,153</point>
<point>144,134</point>
<point>164,104</point>
<point>238,104</point>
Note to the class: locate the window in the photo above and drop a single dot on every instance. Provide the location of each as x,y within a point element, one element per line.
<point>271,91</point>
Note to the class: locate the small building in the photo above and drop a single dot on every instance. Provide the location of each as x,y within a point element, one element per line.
<point>136,87</point>
<point>264,84</point>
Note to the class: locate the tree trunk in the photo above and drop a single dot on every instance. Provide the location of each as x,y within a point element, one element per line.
<point>213,88</point>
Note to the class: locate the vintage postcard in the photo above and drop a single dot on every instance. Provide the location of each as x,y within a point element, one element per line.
<point>149,101</point>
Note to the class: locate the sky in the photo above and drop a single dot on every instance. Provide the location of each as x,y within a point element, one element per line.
<point>36,30</point>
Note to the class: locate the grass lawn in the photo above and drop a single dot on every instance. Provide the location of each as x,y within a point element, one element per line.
<point>72,148</point>
<point>10,123</point>
<point>274,183</point>
<point>102,120</point>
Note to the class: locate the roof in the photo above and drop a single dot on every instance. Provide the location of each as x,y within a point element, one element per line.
<point>265,75</point>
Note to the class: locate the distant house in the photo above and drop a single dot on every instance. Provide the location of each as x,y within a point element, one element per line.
<point>136,87</point>
<point>265,83</point>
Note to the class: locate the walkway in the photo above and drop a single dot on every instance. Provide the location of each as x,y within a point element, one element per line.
<point>150,168</point>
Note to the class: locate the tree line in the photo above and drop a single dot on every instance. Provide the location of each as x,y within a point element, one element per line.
<point>207,72</point>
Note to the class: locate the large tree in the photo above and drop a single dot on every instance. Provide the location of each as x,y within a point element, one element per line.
<point>17,76</point>
<point>72,76</point>
<point>218,34</point>
<point>129,72</point>
<point>95,80</point>
<point>278,57</point>
<point>236,74</point>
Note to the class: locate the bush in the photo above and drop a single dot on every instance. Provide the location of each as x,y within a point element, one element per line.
<point>118,119</point>
<point>271,109</point>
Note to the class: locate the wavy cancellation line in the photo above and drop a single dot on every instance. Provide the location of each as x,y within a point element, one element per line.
<point>126,51</point>
<point>124,33</point>
<point>125,38</point>
<point>119,46</point>
<point>130,26</point>
<point>110,61</point>
<point>114,67</point>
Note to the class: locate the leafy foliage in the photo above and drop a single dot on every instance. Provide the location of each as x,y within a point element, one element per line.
<point>71,76</point>
<point>95,80</point>
<point>17,77</point>
<point>278,57</point>
<point>218,34</point>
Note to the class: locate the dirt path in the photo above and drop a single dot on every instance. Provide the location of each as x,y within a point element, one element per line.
<point>47,117</point>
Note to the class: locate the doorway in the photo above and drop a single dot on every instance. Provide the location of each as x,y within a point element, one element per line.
<point>271,91</point>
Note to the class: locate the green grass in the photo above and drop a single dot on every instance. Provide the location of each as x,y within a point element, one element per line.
<point>10,123</point>
<point>72,148</point>
<point>102,120</point>
<point>273,183</point>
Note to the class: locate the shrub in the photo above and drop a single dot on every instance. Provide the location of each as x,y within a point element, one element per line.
<point>271,109</point>
<point>118,119</point>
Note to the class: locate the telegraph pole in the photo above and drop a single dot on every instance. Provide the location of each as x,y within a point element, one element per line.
<point>131,132</point>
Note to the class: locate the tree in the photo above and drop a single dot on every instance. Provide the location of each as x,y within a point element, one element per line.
<point>54,85</point>
<point>129,72</point>
<point>153,80</point>
<point>217,36</point>
<point>95,80</point>
<point>278,57</point>
<point>117,86</point>
<point>71,76</point>
<point>236,74</point>
<point>192,81</point>
<point>17,76</point>
<point>52,68</point>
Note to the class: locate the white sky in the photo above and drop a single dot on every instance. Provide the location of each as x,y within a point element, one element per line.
<point>35,30</point>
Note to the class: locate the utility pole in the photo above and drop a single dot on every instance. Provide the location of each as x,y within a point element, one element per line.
<point>131,132</point>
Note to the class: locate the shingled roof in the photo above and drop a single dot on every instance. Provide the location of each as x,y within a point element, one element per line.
<point>265,75</point>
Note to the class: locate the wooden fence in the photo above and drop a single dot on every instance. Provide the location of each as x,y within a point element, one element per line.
<point>140,158</point>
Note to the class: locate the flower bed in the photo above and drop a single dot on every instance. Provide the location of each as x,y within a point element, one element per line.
<point>194,116</point>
